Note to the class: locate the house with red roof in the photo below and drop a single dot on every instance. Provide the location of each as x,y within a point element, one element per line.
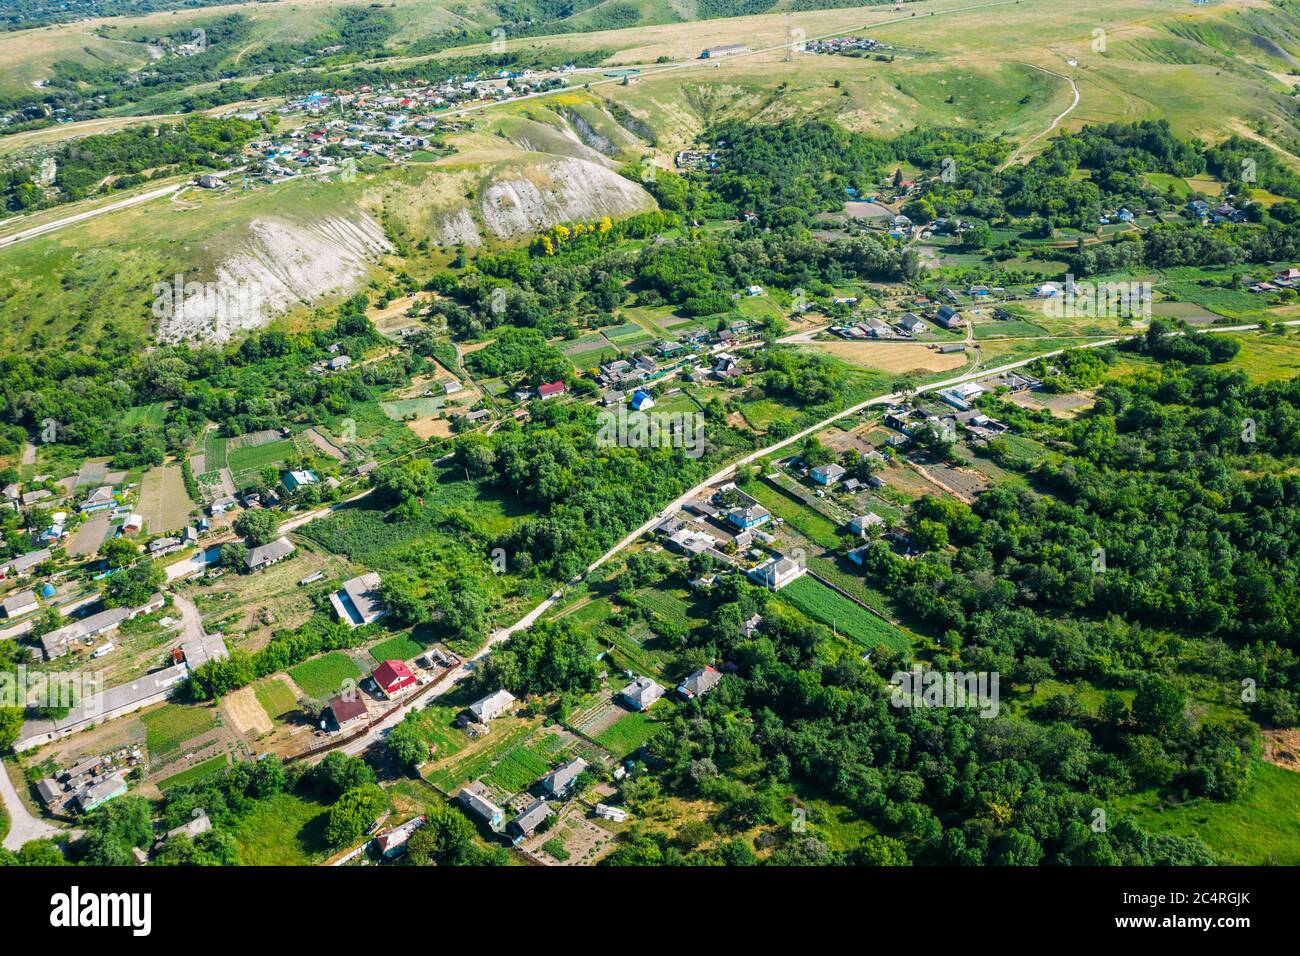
<point>393,677</point>
<point>550,390</point>
<point>348,710</point>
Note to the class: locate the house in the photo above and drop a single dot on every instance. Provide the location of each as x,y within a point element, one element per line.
<point>699,683</point>
<point>642,400</point>
<point>392,842</point>
<point>748,516</point>
<point>393,677</point>
<point>133,524</point>
<point>755,290</point>
<point>22,602</point>
<point>22,565</point>
<point>668,349</point>
<point>98,794</point>
<point>451,385</point>
<point>948,317</point>
<point>527,823</point>
<point>293,480</point>
<point>219,506</point>
<point>197,825</point>
<point>347,710</point>
<point>550,390</point>
<point>10,492</point>
<point>613,814</point>
<point>338,363</point>
<point>160,546</point>
<point>558,781</point>
<point>98,500</point>
<point>725,366</point>
<point>265,555</point>
<point>56,642</point>
<point>912,324</point>
<point>961,396</point>
<point>827,474</point>
<point>474,797</point>
<point>861,523</point>
<point>34,497</point>
<point>52,795</point>
<point>358,602</point>
<point>492,706</point>
<point>776,573</point>
<point>641,693</point>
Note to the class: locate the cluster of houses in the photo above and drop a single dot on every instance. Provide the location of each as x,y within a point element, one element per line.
<point>843,45</point>
<point>1286,279</point>
<point>89,783</point>
<point>907,326</point>
<point>87,630</point>
<point>1223,212</point>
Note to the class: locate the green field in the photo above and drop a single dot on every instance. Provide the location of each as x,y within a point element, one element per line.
<point>814,526</point>
<point>834,610</point>
<point>196,774</point>
<point>257,457</point>
<point>524,764</point>
<point>145,416</point>
<point>284,830</point>
<point>276,698</point>
<point>1260,829</point>
<point>399,648</point>
<point>403,408</point>
<point>168,728</point>
<point>323,676</point>
<point>629,732</point>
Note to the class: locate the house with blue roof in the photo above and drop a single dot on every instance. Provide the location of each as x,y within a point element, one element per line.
<point>642,400</point>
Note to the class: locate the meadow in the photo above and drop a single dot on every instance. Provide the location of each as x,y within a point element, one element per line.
<point>321,677</point>
<point>199,773</point>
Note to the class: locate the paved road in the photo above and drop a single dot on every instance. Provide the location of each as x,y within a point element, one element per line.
<point>22,825</point>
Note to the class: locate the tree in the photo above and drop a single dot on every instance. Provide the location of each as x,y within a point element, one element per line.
<point>234,555</point>
<point>406,744</point>
<point>134,585</point>
<point>354,814</point>
<point>257,525</point>
<point>119,552</point>
<point>1158,706</point>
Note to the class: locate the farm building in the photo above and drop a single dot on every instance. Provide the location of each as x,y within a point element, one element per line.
<point>23,602</point>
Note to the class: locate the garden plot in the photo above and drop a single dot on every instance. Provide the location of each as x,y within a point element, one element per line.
<point>164,503</point>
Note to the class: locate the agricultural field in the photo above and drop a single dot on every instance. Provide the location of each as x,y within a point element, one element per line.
<point>836,611</point>
<point>170,727</point>
<point>276,698</point>
<point>199,773</point>
<point>164,502</point>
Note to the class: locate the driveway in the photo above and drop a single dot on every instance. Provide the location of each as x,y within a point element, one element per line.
<point>23,827</point>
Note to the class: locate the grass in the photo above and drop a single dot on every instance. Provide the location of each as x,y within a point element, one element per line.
<point>168,728</point>
<point>833,609</point>
<point>399,648</point>
<point>323,676</point>
<point>555,847</point>
<point>631,731</point>
<point>284,830</point>
<point>813,526</point>
<point>1259,829</point>
<point>146,416</point>
<point>196,774</point>
<point>276,698</point>
<point>523,764</point>
<point>257,457</point>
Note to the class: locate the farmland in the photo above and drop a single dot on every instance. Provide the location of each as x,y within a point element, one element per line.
<point>172,725</point>
<point>834,610</point>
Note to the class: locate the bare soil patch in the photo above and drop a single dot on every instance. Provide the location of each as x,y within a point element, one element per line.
<point>247,714</point>
<point>893,357</point>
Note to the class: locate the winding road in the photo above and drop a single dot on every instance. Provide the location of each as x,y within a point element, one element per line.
<point>1019,150</point>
